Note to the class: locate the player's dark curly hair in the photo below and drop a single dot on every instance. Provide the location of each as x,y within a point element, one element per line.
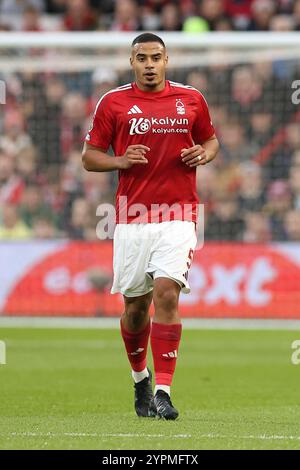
<point>147,37</point>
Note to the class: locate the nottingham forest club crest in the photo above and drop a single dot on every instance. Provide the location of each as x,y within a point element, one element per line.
<point>180,108</point>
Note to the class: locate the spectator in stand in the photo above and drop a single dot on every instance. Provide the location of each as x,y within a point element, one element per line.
<point>11,226</point>
<point>54,195</point>
<point>282,23</point>
<point>260,126</point>
<point>80,16</point>
<point>17,7</point>
<point>149,13</point>
<point>154,6</point>
<point>274,92</point>
<point>43,108</point>
<point>11,184</point>
<point>126,16</point>
<point>199,79</point>
<point>15,139</point>
<point>32,20</point>
<point>74,114</point>
<point>224,24</point>
<point>294,179</point>
<point>71,174</point>
<point>264,71</point>
<point>240,13</point>
<point>292,225</point>
<point>285,152</point>
<point>207,185</point>
<point>195,24</point>
<point>170,18</point>
<point>26,164</point>
<point>4,26</point>
<point>220,78</point>
<point>234,145</point>
<point>80,220</point>
<point>296,14</point>
<point>212,11</point>
<point>103,80</point>
<point>44,229</point>
<point>262,13</point>
<point>251,193</point>
<point>97,190</point>
<point>71,184</point>
<point>246,91</point>
<point>187,8</point>
<point>56,6</point>
<point>257,228</point>
<point>34,207</point>
<point>293,137</point>
<point>279,199</point>
<point>224,222</point>
<point>285,6</point>
<point>50,144</point>
<point>219,115</point>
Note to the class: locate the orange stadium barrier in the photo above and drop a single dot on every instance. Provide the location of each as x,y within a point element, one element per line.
<point>65,278</point>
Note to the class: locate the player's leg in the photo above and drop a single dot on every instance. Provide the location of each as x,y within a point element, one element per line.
<point>165,339</point>
<point>131,254</point>
<point>135,330</point>
<point>169,265</point>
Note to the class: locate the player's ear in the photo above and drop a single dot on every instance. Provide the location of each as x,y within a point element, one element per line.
<point>131,61</point>
<point>166,60</point>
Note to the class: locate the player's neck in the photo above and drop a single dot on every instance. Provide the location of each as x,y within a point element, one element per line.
<point>148,89</point>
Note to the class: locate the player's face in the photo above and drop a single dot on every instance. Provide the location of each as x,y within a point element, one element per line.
<point>149,61</point>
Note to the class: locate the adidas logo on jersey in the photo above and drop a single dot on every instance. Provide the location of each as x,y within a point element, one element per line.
<point>135,110</point>
<point>171,354</point>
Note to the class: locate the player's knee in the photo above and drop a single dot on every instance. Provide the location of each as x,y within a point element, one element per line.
<point>166,299</point>
<point>136,314</point>
<point>136,311</point>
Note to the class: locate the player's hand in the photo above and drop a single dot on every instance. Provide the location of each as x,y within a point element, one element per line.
<point>194,156</point>
<point>135,154</point>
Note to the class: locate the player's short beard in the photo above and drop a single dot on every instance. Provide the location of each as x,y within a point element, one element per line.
<point>151,85</point>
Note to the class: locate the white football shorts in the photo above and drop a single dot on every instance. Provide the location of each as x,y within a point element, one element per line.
<point>144,252</point>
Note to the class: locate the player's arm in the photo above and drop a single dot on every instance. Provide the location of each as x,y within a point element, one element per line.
<point>201,154</point>
<point>96,159</point>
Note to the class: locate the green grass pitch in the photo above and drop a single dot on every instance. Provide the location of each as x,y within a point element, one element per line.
<point>71,389</point>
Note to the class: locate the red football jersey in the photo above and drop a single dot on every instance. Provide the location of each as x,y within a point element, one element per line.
<point>166,122</point>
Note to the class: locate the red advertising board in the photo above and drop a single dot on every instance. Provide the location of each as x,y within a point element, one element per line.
<point>227,280</point>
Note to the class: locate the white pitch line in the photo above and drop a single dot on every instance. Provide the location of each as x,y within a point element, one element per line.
<point>180,436</point>
<point>188,323</point>
<point>82,434</point>
<point>262,437</point>
<point>250,436</point>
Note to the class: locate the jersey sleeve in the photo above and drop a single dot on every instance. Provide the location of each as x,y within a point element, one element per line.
<point>102,130</point>
<point>203,128</point>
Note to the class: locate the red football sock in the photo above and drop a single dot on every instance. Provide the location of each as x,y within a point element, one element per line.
<point>136,345</point>
<point>165,341</point>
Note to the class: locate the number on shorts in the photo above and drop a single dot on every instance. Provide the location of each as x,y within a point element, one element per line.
<point>189,262</point>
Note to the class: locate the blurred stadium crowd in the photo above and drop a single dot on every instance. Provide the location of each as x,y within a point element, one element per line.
<point>164,15</point>
<point>251,192</point>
